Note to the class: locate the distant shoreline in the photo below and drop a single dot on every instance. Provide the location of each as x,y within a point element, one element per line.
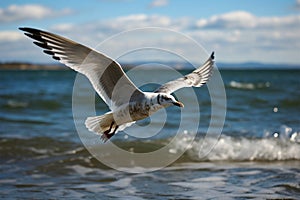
<point>222,66</point>
<point>29,66</point>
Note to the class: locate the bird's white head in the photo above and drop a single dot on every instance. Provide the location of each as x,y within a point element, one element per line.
<point>167,100</point>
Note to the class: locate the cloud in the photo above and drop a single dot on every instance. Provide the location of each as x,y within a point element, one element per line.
<point>242,37</point>
<point>159,3</point>
<point>65,27</point>
<point>246,20</point>
<point>297,4</point>
<point>10,36</point>
<point>115,25</point>
<point>142,20</point>
<point>237,19</point>
<point>14,13</point>
<point>236,36</point>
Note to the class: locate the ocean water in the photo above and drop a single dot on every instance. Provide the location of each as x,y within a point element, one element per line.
<point>43,152</point>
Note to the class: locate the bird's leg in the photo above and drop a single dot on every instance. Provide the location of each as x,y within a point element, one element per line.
<point>105,136</point>
<point>113,133</point>
<point>110,135</point>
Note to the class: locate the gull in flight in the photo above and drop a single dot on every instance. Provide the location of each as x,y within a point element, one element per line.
<point>126,102</point>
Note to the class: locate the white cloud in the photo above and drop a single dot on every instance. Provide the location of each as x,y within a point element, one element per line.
<point>143,20</point>
<point>297,4</point>
<point>10,36</point>
<point>237,19</point>
<point>159,3</point>
<point>243,36</point>
<point>115,25</point>
<point>236,36</point>
<point>15,13</point>
<point>63,27</point>
<point>242,19</point>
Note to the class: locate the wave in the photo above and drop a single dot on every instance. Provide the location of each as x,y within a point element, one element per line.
<point>281,146</point>
<point>42,104</point>
<point>16,104</point>
<point>248,86</point>
<point>46,104</point>
<point>291,103</point>
<point>53,154</point>
<point>243,149</point>
<point>25,121</point>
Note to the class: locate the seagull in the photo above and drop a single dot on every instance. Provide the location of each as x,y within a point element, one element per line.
<point>127,103</point>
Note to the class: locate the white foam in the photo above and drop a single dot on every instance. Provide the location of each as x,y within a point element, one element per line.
<point>17,104</point>
<point>248,86</point>
<point>226,148</point>
<point>122,183</point>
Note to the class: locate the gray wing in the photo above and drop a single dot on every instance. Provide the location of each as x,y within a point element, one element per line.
<point>195,79</point>
<point>105,74</point>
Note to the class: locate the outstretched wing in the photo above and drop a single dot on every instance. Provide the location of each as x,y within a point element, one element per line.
<point>105,74</point>
<point>195,79</point>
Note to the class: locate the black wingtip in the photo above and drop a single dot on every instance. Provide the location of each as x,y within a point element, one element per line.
<point>49,52</point>
<point>30,30</point>
<point>56,58</point>
<point>25,29</point>
<point>212,56</point>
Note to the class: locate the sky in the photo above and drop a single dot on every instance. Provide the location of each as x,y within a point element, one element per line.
<point>238,31</point>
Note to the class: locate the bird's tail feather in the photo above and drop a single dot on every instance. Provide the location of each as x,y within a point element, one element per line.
<point>99,124</point>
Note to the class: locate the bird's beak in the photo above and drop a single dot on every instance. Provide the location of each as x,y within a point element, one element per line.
<point>179,104</point>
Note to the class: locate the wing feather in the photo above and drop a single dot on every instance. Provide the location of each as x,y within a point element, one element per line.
<point>195,79</point>
<point>105,74</point>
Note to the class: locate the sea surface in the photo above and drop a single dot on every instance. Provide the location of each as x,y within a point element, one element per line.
<point>46,154</point>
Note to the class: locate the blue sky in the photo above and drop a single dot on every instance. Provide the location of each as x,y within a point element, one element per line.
<point>238,31</point>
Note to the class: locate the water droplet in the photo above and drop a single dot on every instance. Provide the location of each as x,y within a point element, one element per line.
<point>172,151</point>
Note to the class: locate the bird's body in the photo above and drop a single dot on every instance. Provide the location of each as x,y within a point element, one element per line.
<point>129,112</point>
<point>127,103</point>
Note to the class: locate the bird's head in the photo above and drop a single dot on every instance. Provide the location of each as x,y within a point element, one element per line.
<point>168,100</point>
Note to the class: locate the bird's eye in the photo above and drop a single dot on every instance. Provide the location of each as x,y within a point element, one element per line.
<point>167,98</point>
